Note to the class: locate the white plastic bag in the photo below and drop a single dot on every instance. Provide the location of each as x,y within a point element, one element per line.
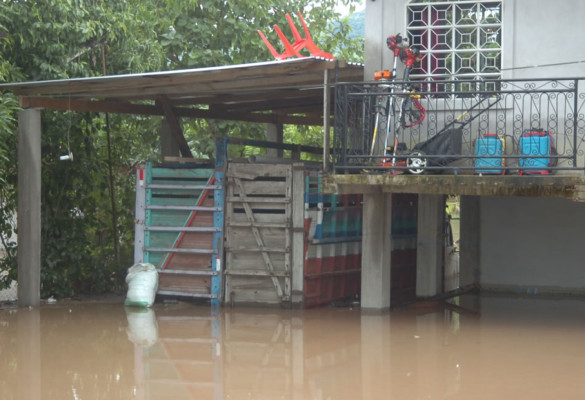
<point>142,281</point>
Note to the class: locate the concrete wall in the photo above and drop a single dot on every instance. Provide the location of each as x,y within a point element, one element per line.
<point>383,18</point>
<point>541,32</point>
<point>532,243</point>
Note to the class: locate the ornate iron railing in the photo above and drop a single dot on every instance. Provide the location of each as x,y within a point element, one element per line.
<point>494,126</point>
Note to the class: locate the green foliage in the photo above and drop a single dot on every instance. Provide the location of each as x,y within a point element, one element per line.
<point>58,39</point>
<point>8,108</point>
<point>87,243</point>
<point>218,32</point>
<point>306,135</point>
<point>77,234</point>
<point>64,38</point>
<point>357,21</point>
<point>8,263</point>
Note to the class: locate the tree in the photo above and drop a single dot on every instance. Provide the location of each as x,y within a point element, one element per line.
<point>8,109</point>
<point>62,39</point>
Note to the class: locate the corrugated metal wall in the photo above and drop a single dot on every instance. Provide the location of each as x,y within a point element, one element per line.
<point>333,254</point>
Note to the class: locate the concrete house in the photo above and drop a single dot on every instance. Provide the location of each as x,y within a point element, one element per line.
<point>519,233</point>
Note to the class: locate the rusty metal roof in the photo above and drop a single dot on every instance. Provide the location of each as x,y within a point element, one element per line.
<point>288,91</point>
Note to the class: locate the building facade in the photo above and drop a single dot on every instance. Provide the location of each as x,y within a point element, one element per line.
<point>522,244</point>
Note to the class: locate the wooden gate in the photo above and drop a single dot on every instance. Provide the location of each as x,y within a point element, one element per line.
<point>258,233</point>
<point>179,228</point>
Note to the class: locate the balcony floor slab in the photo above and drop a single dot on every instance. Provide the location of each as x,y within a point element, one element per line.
<point>569,186</point>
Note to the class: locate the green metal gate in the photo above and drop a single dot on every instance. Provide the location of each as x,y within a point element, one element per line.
<point>179,228</point>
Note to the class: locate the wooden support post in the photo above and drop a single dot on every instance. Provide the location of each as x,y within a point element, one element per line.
<point>275,134</point>
<point>169,147</point>
<point>298,240</point>
<point>175,126</point>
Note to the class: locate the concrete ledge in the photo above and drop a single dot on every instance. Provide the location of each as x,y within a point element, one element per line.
<point>564,186</point>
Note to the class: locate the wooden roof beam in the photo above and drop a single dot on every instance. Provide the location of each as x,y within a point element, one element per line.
<point>116,107</point>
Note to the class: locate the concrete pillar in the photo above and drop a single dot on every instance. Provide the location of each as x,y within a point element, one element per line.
<point>429,253</point>
<point>275,134</point>
<point>168,145</point>
<point>29,207</point>
<point>469,242</point>
<point>376,250</point>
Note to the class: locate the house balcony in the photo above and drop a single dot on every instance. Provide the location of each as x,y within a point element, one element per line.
<point>497,137</point>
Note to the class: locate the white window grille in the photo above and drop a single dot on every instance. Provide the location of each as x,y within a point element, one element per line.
<point>459,40</point>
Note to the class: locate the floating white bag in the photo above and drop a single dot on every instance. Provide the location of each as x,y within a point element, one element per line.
<point>142,281</point>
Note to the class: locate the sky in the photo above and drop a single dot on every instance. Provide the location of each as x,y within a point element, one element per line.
<point>344,10</point>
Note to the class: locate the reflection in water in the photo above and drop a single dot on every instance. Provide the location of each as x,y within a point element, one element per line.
<point>142,328</point>
<point>473,348</point>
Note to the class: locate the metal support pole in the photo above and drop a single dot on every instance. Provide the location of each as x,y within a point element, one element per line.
<point>575,123</point>
<point>326,121</point>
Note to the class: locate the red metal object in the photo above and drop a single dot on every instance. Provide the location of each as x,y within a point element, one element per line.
<point>399,46</point>
<point>293,49</point>
<point>407,54</point>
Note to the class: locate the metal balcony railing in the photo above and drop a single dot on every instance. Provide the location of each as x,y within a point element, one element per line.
<point>460,127</point>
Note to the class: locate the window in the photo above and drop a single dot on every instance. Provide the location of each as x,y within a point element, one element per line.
<point>460,40</point>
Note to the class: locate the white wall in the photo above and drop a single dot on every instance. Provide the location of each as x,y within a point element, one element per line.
<point>532,243</point>
<point>540,32</point>
<point>383,18</point>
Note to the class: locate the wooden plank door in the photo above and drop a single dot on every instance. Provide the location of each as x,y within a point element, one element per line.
<point>258,233</point>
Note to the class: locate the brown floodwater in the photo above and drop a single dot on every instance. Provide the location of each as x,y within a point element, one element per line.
<point>488,347</point>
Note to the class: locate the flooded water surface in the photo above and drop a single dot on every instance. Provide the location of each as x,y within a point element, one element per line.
<point>488,347</point>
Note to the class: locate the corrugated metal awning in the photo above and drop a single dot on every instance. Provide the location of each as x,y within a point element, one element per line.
<point>289,91</point>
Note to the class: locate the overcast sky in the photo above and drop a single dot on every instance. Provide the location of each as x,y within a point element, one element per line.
<point>343,10</point>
